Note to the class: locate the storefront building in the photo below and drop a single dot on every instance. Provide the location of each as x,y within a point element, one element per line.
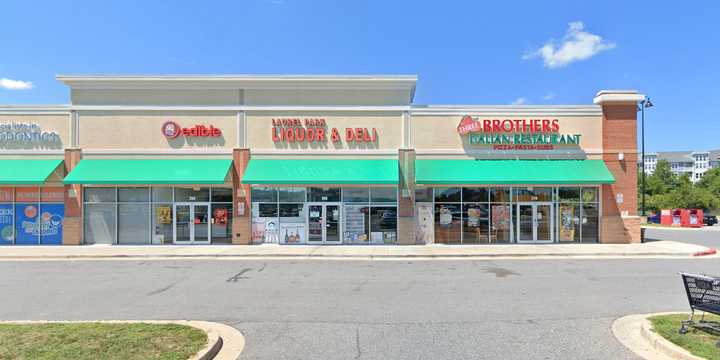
<point>311,160</point>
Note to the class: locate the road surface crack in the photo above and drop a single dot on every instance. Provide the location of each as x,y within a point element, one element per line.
<point>357,344</point>
<point>238,276</point>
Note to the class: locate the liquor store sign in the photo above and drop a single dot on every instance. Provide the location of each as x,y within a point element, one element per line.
<point>316,130</point>
<point>515,134</point>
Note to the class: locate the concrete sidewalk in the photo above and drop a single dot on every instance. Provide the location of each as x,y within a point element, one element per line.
<point>651,249</point>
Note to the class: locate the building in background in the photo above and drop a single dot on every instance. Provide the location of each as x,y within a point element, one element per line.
<point>307,159</point>
<point>694,164</point>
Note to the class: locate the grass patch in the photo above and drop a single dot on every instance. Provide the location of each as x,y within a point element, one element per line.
<point>100,341</point>
<point>697,342</point>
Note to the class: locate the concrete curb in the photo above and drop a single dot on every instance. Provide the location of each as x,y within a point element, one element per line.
<point>634,331</point>
<point>224,342</point>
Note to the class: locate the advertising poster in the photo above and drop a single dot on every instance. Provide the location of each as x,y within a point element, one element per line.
<point>292,233</point>
<point>258,231</point>
<point>163,215</point>
<point>355,225</point>
<point>7,233</point>
<point>501,217</point>
<point>567,225</point>
<point>424,230</point>
<point>220,216</point>
<point>265,230</point>
<point>445,217</point>
<point>51,223</point>
<point>26,224</point>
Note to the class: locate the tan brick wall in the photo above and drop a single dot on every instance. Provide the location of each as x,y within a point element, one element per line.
<point>620,223</point>
<point>73,223</point>
<point>242,224</point>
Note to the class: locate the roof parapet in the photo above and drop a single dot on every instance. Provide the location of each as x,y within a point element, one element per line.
<point>617,96</point>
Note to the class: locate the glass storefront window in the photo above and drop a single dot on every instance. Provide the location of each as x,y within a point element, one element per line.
<point>133,224</point>
<point>500,194</point>
<point>220,194</point>
<point>323,194</point>
<point>589,195</point>
<point>99,224</point>
<point>447,223</point>
<point>162,194</point>
<point>265,210</point>
<point>569,222</point>
<point>475,223</point>
<point>221,223</point>
<point>383,224</point>
<point>356,226</point>
<point>99,194</point>
<point>133,194</point>
<point>533,194</point>
<point>162,223</point>
<point>263,194</point>
<point>183,194</point>
<point>474,194</point>
<point>361,195</point>
<point>447,194</point>
<point>292,194</point>
<point>590,223</point>
<point>7,224</point>
<point>569,194</point>
<point>383,194</point>
<point>292,223</point>
<point>500,223</point>
<point>423,195</point>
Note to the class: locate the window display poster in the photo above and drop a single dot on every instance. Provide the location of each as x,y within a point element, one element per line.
<point>424,230</point>
<point>355,225</point>
<point>567,225</point>
<point>376,237</point>
<point>51,223</point>
<point>26,224</point>
<point>501,217</point>
<point>473,215</point>
<point>163,215</point>
<point>7,233</point>
<point>220,216</point>
<point>258,231</point>
<point>445,217</point>
<point>265,230</point>
<point>292,233</point>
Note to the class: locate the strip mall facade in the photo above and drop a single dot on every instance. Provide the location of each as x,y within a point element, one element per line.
<point>311,160</point>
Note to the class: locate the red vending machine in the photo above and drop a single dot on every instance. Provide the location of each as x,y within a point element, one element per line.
<point>692,218</point>
<point>671,217</point>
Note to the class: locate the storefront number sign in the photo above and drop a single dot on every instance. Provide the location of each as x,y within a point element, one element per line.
<point>515,134</point>
<point>315,130</point>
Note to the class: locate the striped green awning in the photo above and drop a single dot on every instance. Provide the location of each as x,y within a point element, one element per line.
<point>150,171</point>
<point>26,172</point>
<point>530,172</point>
<point>304,171</point>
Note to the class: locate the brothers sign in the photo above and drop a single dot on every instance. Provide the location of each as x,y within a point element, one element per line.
<point>515,134</point>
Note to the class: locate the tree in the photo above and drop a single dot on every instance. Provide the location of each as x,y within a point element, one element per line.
<point>711,181</point>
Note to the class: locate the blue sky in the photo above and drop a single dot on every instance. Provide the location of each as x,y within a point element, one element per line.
<point>464,52</point>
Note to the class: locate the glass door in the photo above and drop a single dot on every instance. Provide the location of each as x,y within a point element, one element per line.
<point>192,223</point>
<point>323,223</point>
<point>534,223</point>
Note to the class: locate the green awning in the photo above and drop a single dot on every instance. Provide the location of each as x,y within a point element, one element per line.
<point>26,172</point>
<point>303,171</point>
<point>150,171</point>
<point>530,172</point>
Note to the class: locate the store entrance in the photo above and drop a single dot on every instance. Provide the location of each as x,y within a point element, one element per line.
<point>534,223</point>
<point>191,223</point>
<point>323,223</point>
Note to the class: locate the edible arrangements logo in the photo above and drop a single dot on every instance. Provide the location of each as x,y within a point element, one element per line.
<point>172,130</point>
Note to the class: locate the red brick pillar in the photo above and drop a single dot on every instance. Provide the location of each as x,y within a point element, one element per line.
<point>619,219</point>
<point>242,217</point>
<point>73,223</point>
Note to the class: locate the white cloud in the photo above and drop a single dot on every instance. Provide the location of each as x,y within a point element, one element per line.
<point>11,84</point>
<point>549,96</point>
<point>519,101</point>
<point>577,45</point>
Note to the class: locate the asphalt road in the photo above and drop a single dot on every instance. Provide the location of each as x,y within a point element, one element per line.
<point>324,309</point>
<point>706,236</point>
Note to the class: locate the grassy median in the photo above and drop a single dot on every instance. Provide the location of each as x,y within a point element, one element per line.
<point>697,342</point>
<point>99,341</point>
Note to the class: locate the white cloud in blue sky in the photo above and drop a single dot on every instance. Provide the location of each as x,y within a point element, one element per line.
<point>519,101</point>
<point>576,45</point>
<point>11,84</point>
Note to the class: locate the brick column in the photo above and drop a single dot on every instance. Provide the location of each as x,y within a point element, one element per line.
<point>73,223</point>
<point>242,223</point>
<point>619,219</point>
<point>406,197</point>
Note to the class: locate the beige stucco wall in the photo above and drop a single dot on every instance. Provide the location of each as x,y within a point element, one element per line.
<point>141,130</point>
<point>326,97</point>
<point>177,97</point>
<point>59,124</point>
<point>438,133</point>
<point>388,125</point>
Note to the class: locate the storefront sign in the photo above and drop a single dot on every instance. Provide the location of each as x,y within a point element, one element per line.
<point>172,130</point>
<point>515,134</point>
<point>27,133</point>
<point>7,227</point>
<point>316,130</point>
